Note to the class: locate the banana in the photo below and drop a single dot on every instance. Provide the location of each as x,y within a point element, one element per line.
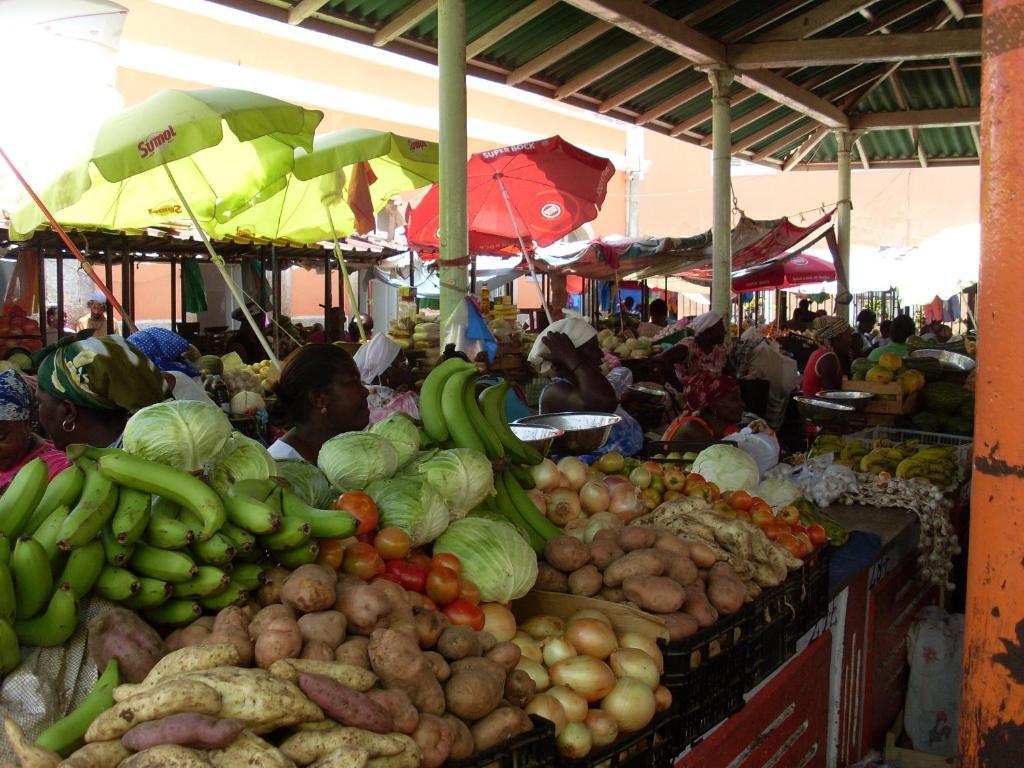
<point>507,509</point>
<point>528,511</point>
<point>115,553</point>
<point>240,539</point>
<point>301,555</point>
<point>180,487</point>
<point>249,575</point>
<point>67,734</point>
<point>174,613</point>
<point>116,583</point>
<point>254,555</point>
<point>162,564</point>
<point>453,406</point>
<point>250,514</point>
<point>235,594</point>
<point>435,421</point>
<point>10,650</point>
<point>209,581</point>
<point>94,508</point>
<point>55,626</point>
<point>293,532</point>
<point>493,447</point>
<point>48,531</point>
<point>168,533</point>
<point>22,497</point>
<point>63,491</point>
<point>83,567</point>
<point>7,602</point>
<point>255,489</point>
<point>151,593</point>
<point>492,404</point>
<point>131,515</point>
<point>162,507</point>
<point>5,549</point>
<point>324,523</point>
<point>215,551</point>
<point>522,476</point>
<point>33,580</point>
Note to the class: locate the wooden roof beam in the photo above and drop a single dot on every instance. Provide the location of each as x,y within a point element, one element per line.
<point>955,8</point>
<point>507,27</point>
<point>865,163</point>
<point>784,141</point>
<point>557,52</point>
<point>856,50</point>
<point>965,100</point>
<point>404,21</point>
<point>599,70</point>
<point>672,102</point>
<point>707,11</point>
<point>656,77</point>
<point>809,145</point>
<point>794,96</point>
<point>303,10</point>
<point>819,18</point>
<point>920,118</point>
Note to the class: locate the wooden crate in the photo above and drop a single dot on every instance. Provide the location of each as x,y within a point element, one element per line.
<point>902,404</point>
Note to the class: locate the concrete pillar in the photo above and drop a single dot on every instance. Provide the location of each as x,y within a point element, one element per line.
<point>992,708</point>
<point>451,60</point>
<point>844,205</point>
<point>721,228</point>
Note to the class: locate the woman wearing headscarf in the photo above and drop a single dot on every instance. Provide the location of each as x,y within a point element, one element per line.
<point>88,387</point>
<point>388,380</point>
<point>704,351</point>
<point>827,364</point>
<point>18,443</point>
<point>713,409</point>
<point>167,350</point>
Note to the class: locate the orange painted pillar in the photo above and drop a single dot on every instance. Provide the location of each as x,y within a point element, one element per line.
<point>992,710</point>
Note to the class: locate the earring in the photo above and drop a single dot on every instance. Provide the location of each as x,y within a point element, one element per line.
<point>68,425</point>
<point>323,411</point>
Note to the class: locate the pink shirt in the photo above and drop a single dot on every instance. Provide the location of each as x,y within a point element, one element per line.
<point>55,459</point>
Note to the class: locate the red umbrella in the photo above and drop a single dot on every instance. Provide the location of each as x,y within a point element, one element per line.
<point>787,272</point>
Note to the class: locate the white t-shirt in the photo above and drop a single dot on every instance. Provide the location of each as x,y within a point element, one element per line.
<point>279,449</point>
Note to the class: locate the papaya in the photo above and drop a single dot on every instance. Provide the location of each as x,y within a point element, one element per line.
<point>890,361</point>
<point>879,375</point>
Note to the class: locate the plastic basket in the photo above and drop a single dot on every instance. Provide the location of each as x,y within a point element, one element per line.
<point>810,592</point>
<point>654,747</point>
<point>713,693</point>
<point>964,445</point>
<point>535,749</point>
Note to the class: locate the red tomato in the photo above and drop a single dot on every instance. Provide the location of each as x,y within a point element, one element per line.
<point>362,560</point>
<point>332,553</point>
<point>392,543</point>
<point>447,560</point>
<point>740,500</point>
<point>464,613</point>
<point>817,534</point>
<point>469,592</point>
<point>419,558</point>
<point>412,577</point>
<point>773,531</point>
<point>793,544</point>
<point>804,540</point>
<point>442,585</point>
<point>797,528</point>
<point>361,507</point>
<point>388,577</point>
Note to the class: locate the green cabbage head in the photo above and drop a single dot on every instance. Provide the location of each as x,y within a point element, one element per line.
<point>185,434</point>
<point>778,491</point>
<point>353,460</point>
<point>403,434</point>
<point>307,482</point>
<point>243,459</point>
<point>493,555</point>
<point>729,467</point>
<point>463,476</point>
<point>412,504</point>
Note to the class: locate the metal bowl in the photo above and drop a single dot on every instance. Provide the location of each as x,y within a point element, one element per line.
<point>540,436</point>
<point>949,361</point>
<point>856,400</point>
<point>653,391</point>
<point>824,411</point>
<point>583,431</point>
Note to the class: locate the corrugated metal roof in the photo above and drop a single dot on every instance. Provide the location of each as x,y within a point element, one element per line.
<point>772,134</point>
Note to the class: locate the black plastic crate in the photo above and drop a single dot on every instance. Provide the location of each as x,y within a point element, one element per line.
<point>810,594</point>
<point>683,658</point>
<point>713,692</point>
<point>535,749</point>
<point>654,747</point>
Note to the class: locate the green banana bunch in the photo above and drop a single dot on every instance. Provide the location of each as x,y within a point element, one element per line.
<point>10,650</point>
<point>56,625</point>
<point>151,593</point>
<point>62,491</point>
<point>67,734</point>
<point>304,554</point>
<point>174,613</point>
<point>235,594</point>
<point>250,514</point>
<point>94,508</point>
<point>117,584</point>
<point>209,581</point>
<point>33,580</point>
<point>22,496</point>
<point>435,421</point>
<point>162,564</point>
<point>323,523</point>
<point>492,404</point>
<point>453,407</point>
<point>83,568</point>
<point>131,516</point>
<point>249,575</point>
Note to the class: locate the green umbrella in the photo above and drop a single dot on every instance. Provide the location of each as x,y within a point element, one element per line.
<point>335,189</point>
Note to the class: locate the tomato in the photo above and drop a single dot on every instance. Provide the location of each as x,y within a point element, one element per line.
<point>428,604</point>
<point>365,538</point>
<point>463,613</point>
<point>797,528</point>
<point>418,557</point>
<point>469,592</point>
<point>760,516</point>
<point>392,543</point>
<point>793,544</point>
<point>714,493</point>
<point>332,553</point>
<point>761,506</point>
<point>740,500</point>
<point>790,514</point>
<point>805,540</point>
<point>412,577</point>
<point>362,560</point>
<point>388,577</point>
<point>742,514</point>
<point>817,534</point>
<point>696,478</point>
<point>442,585</point>
<point>447,560</point>
<point>773,531</point>
<point>361,507</point>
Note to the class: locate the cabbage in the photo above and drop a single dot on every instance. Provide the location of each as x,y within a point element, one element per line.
<point>307,482</point>
<point>353,460</point>
<point>463,476</point>
<point>243,459</point>
<point>412,504</point>
<point>185,434</point>
<point>403,434</point>
<point>778,491</point>
<point>493,556</point>
<point>728,467</point>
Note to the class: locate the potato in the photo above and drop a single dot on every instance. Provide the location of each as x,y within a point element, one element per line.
<point>441,669</point>
<point>269,592</point>
<point>487,640</point>
<point>429,626</point>
<point>612,594</point>
<point>276,616</point>
<point>306,747</point>
<point>179,662</point>
<point>519,688</point>
<point>550,579</point>
<point>185,729</point>
<point>677,567</point>
<point>566,554</point>
<point>309,588</point>
<point>498,727</point>
<point>697,605</point>
<point>585,581</point>
<point>462,739</point>
<point>633,537</point>
<point>327,627</point>
<point>27,753</point>
<point>434,739</point>
<point>656,594</point>
<point>315,650</point>
<point>607,534</point>
<point>363,607</point>
<point>99,754</point>
<point>399,663</point>
<point>505,655</point>
<point>701,554</point>
<point>671,543</point>
<point>475,688</point>
<point>632,564</point>
<point>275,644</point>
<point>397,704</point>
<point>344,705</point>
<point>680,625</point>
<point>727,595</point>
<point>250,751</point>
<point>120,634</point>
<point>179,694</point>
<point>350,676</point>
<point>604,553</point>
<point>457,643</point>
<point>232,626</point>
<point>166,756</point>
<point>400,617</point>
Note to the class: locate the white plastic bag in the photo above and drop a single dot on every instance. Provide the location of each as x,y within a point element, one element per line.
<point>935,647</point>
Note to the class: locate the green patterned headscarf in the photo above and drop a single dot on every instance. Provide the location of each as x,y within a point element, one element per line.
<point>103,373</point>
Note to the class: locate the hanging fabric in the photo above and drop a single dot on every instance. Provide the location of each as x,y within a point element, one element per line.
<point>193,287</point>
<point>23,288</point>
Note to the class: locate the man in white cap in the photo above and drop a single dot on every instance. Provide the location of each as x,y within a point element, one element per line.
<point>704,351</point>
<point>96,318</point>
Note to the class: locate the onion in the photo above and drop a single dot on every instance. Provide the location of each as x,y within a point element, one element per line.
<point>529,647</point>
<point>546,475</point>
<point>631,703</point>
<point>632,662</point>
<point>662,699</point>
<point>594,526</point>
<point>556,649</point>
<point>563,506</point>
<point>591,637</point>
<point>594,497</point>
<point>537,673</point>
<point>575,471</point>
<point>626,502</point>
<point>575,706</point>
<point>574,742</point>
<point>594,474</point>
<point>537,497</point>
<point>602,726</point>
<point>641,478</point>
<point>499,621</point>
<point>590,613</point>
<point>613,520</point>
<point>613,481</point>
<point>549,708</point>
<point>541,626</point>
<point>643,643</point>
<point>591,678</point>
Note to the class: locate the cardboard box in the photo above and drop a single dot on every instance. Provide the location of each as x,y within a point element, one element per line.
<point>623,618</point>
<point>902,403</point>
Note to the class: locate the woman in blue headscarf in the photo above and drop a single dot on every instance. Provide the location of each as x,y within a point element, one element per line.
<point>167,351</point>
<point>18,443</point>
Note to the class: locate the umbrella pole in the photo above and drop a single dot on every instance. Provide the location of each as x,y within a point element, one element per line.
<point>522,245</point>
<point>86,265</point>
<point>344,274</point>
<point>218,262</point>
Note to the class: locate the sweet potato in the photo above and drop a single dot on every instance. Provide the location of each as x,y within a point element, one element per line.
<point>499,726</point>
<point>276,616</point>
<point>697,605</point>
<point>264,702</point>
<point>680,625</point>
<point>429,626</point>
<point>179,694</point>
<point>98,754</point>
<point>434,738</point>
<point>344,705</point>
<point>397,704</point>
<point>656,594</point>
<point>306,747</point>
<point>462,739</point>
<point>346,757</point>
<point>232,626</point>
<point>185,729</point>
<point>354,652</point>
<point>475,688</point>
<point>324,626</point>
<point>632,564</point>
<point>550,579</point>
<point>269,592</point>
<point>701,554</point>
<point>605,552</point>
<point>179,662</point>
<point>441,669</point>
<point>457,643</point>
<point>309,588</point>
<point>275,644</point>
<point>519,688</point>
<point>612,594</point>
<point>316,650</point>
<point>120,634</point>
<point>585,581</point>
<point>194,634</point>
<point>356,678</point>
<point>505,655</point>
<point>566,553</point>
<point>399,663</point>
<point>632,537</point>
<point>27,753</point>
<point>167,756</point>
<point>363,607</point>
<point>249,751</point>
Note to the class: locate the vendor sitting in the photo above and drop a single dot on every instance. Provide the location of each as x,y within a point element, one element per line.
<point>387,377</point>
<point>713,409</point>
<point>902,329</point>
<point>704,351</point>
<point>18,444</point>
<point>568,351</point>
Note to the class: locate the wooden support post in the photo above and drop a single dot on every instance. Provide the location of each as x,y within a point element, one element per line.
<point>61,320</point>
<point>721,242</point>
<point>126,286</point>
<point>328,299</point>
<point>844,205</point>
<point>174,295</point>
<point>41,288</point>
<point>109,280</point>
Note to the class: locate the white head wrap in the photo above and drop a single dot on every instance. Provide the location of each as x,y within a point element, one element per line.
<point>702,322</point>
<point>376,356</point>
<point>577,329</point>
